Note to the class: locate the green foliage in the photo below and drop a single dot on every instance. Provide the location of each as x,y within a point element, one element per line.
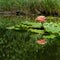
<point>31,6</point>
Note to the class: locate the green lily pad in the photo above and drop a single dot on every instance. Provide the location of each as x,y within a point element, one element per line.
<point>12,27</point>
<point>50,36</point>
<point>36,31</point>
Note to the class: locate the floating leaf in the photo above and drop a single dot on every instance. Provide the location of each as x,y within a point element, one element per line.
<point>32,24</point>
<point>12,27</point>
<point>50,36</point>
<point>52,27</point>
<point>37,31</point>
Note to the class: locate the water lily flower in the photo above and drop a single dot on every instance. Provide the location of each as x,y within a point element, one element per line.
<point>41,41</point>
<point>41,18</point>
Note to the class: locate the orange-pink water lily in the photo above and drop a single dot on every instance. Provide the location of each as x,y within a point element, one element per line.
<point>41,41</point>
<point>41,18</point>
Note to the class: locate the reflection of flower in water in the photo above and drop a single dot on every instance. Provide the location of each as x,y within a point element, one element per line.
<point>41,18</point>
<point>41,41</point>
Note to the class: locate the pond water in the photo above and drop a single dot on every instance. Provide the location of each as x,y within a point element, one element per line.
<point>21,45</point>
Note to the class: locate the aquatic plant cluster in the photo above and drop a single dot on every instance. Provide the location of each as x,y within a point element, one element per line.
<point>40,26</point>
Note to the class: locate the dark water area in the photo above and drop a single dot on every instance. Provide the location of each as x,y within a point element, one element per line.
<point>21,45</point>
